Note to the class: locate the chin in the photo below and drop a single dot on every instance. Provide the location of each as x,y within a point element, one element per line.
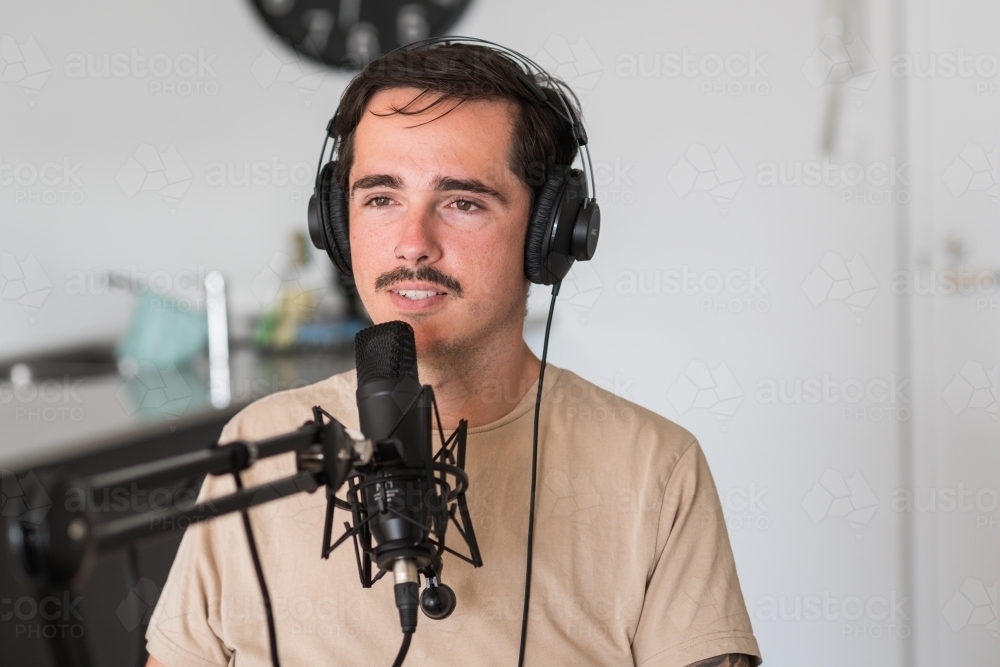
<point>441,338</point>
<point>432,336</point>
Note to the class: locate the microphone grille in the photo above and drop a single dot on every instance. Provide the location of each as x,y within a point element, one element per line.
<point>385,351</point>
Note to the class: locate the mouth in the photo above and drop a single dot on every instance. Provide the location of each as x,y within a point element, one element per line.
<point>417,294</point>
<point>424,283</point>
<point>415,298</point>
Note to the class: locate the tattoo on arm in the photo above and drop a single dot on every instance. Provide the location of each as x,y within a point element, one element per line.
<point>728,660</point>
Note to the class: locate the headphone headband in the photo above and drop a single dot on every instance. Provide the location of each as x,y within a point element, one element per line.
<point>567,113</point>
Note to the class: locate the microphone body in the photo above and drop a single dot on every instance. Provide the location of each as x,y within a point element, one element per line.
<point>395,412</point>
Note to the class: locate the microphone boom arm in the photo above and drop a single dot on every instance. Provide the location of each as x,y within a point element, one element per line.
<point>56,552</point>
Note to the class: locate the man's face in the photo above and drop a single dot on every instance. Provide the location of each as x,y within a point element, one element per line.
<point>438,220</point>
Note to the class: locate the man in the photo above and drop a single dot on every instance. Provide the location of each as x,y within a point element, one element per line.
<point>440,156</point>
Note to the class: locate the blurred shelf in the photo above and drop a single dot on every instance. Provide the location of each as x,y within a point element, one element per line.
<point>60,417</point>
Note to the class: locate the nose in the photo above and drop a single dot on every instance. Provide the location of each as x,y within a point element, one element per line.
<point>417,242</point>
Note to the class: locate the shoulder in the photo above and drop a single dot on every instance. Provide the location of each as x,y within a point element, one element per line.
<point>583,404</point>
<point>283,412</point>
<point>614,425</point>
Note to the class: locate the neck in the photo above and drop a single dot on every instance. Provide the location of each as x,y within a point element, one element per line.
<point>482,384</point>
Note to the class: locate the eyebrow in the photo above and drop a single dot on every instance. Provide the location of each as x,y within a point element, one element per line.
<point>444,183</point>
<point>377,181</point>
<point>441,184</point>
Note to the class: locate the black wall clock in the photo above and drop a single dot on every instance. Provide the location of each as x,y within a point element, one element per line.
<point>350,33</point>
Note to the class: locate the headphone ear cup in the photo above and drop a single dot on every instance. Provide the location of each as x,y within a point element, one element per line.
<point>543,215</point>
<point>333,214</point>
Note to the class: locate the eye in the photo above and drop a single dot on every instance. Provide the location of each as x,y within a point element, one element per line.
<point>379,202</point>
<point>464,205</point>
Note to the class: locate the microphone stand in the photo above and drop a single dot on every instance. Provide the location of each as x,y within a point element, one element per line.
<point>59,551</point>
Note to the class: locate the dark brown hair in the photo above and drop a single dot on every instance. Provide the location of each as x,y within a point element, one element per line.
<point>457,73</point>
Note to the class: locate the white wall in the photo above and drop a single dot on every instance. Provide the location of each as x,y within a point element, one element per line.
<point>778,463</point>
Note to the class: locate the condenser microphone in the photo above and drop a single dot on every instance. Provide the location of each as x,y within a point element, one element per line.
<point>390,404</point>
<point>395,411</point>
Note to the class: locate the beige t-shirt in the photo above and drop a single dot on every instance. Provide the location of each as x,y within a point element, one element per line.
<point>632,563</point>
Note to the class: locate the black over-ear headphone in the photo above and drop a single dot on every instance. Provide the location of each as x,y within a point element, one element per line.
<point>565,221</point>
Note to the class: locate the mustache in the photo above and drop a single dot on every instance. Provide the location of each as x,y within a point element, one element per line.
<point>424,273</point>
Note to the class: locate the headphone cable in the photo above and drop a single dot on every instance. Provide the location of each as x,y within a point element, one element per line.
<point>534,477</point>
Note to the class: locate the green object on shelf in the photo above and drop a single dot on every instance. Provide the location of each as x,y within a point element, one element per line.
<point>164,331</point>
<point>263,334</point>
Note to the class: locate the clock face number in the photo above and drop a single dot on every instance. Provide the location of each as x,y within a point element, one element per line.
<point>351,33</point>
